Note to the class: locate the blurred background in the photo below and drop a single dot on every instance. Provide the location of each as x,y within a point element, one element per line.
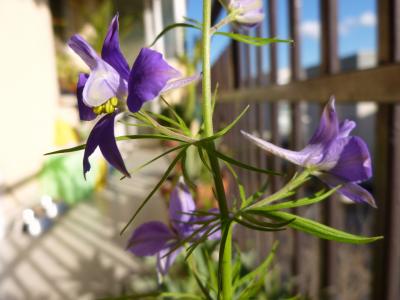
<point>59,234</point>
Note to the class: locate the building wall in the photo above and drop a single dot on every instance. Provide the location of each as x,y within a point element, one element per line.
<point>28,86</point>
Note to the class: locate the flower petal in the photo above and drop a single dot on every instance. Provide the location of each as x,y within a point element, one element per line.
<point>214,235</point>
<point>349,189</point>
<point>181,203</point>
<point>148,77</point>
<point>354,162</point>
<point>328,128</point>
<point>102,136</point>
<point>181,82</point>
<point>103,83</point>
<point>297,157</point>
<point>165,262</point>
<point>149,238</point>
<point>111,51</point>
<point>85,112</point>
<point>346,127</point>
<point>251,12</point>
<point>84,50</point>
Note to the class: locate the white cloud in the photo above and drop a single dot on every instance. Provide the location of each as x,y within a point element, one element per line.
<point>366,19</point>
<point>310,29</point>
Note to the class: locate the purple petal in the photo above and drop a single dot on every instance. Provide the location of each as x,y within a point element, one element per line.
<point>354,162</point>
<point>328,127</point>
<point>181,82</point>
<point>165,262</point>
<point>149,75</point>
<point>215,235</point>
<point>102,136</point>
<point>84,50</point>
<point>297,157</point>
<point>181,203</point>
<point>103,83</point>
<point>85,112</point>
<point>349,189</point>
<point>252,12</point>
<point>111,51</point>
<point>149,238</point>
<point>346,127</point>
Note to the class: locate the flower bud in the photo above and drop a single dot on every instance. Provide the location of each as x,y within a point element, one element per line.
<point>247,13</point>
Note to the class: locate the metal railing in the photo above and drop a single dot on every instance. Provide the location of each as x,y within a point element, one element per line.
<point>381,85</point>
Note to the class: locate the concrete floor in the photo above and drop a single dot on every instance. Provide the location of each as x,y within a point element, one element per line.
<point>82,256</point>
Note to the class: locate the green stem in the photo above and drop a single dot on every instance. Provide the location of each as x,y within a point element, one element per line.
<point>228,19</point>
<point>209,131</point>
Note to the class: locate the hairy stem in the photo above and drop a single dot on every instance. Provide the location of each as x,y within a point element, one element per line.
<point>209,131</point>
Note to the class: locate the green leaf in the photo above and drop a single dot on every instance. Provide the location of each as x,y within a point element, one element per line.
<point>224,130</point>
<point>163,178</point>
<point>119,138</point>
<point>256,41</point>
<point>170,27</point>
<point>243,165</point>
<point>157,157</point>
<point>186,175</point>
<point>318,229</point>
<point>224,236</point>
<point>211,269</point>
<point>149,295</point>
<point>176,115</point>
<point>256,227</point>
<point>261,269</point>
<point>241,189</point>
<point>258,194</point>
<point>257,222</point>
<point>164,118</point>
<point>203,288</point>
<point>194,21</point>
<point>185,296</point>
<point>296,203</point>
<point>214,97</point>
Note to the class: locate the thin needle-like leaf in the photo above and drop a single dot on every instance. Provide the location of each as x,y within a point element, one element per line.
<point>170,27</point>
<point>163,178</point>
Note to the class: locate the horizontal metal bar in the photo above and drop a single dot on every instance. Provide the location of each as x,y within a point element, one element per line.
<point>380,84</point>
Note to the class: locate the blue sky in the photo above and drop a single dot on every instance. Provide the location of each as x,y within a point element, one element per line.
<point>356,27</point>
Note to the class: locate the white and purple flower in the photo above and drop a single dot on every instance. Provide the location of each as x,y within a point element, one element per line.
<point>249,13</point>
<point>111,82</point>
<point>332,155</point>
<point>156,238</point>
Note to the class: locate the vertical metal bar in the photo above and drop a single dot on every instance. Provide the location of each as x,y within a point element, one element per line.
<point>296,130</point>
<point>273,76</point>
<point>261,161</point>
<point>387,174</point>
<point>248,117</point>
<point>330,209</point>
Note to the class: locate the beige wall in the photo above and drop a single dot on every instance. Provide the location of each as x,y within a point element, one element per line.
<point>28,86</point>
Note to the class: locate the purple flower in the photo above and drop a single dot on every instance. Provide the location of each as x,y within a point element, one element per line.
<point>111,83</point>
<point>156,238</point>
<point>249,13</point>
<point>332,155</point>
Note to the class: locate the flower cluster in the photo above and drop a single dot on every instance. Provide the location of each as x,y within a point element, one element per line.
<point>156,238</point>
<point>332,155</point>
<point>112,85</point>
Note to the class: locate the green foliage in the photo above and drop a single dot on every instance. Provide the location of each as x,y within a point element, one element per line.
<point>255,41</point>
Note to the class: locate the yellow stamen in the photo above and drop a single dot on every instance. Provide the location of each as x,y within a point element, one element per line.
<point>98,109</point>
<point>114,101</point>
<point>109,108</point>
